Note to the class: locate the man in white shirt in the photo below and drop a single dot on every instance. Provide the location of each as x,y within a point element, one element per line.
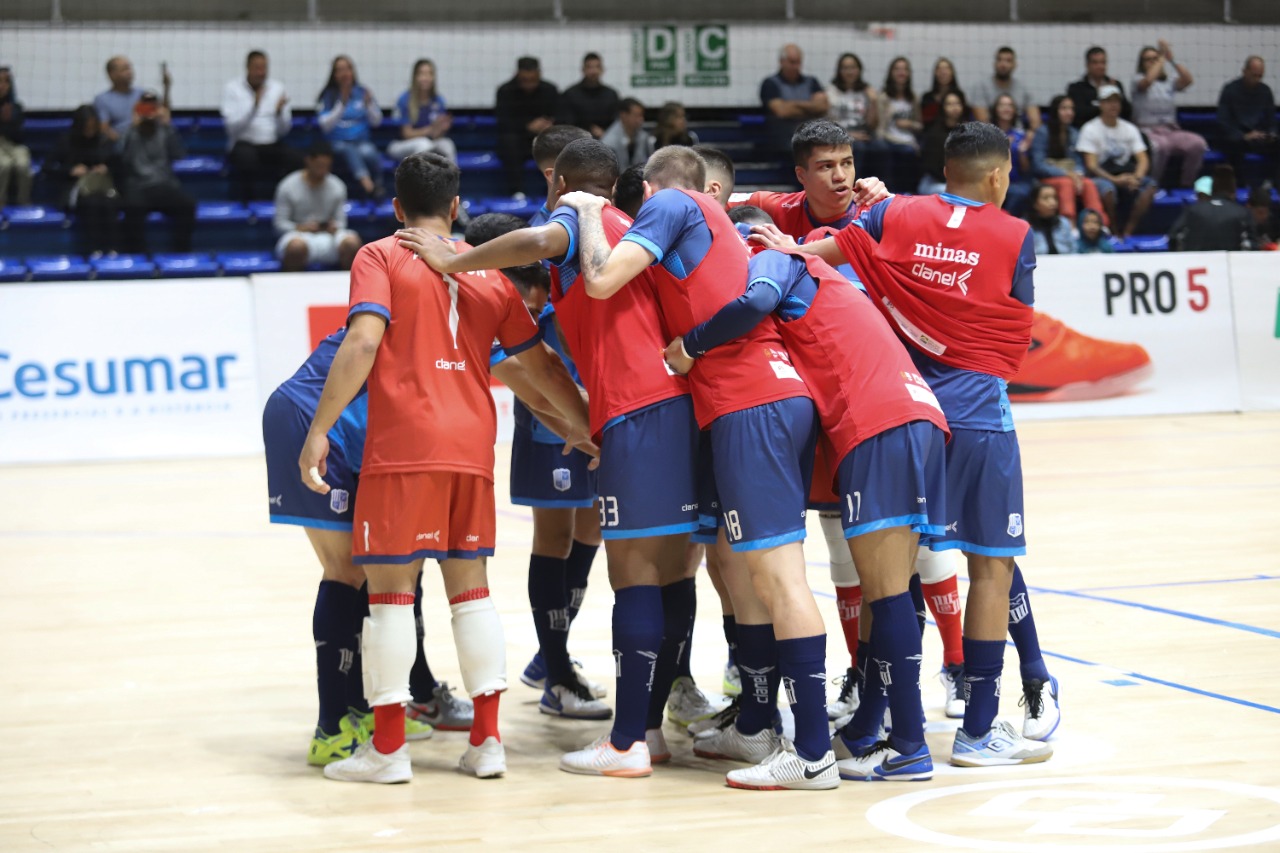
<point>1115,157</point>
<point>311,217</point>
<point>256,115</point>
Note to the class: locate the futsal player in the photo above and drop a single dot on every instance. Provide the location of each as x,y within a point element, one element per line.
<point>427,477</point>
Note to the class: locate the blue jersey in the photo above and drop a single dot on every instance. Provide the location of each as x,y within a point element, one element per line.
<point>307,384</point>
<point>970,399</point>
<point>672,228</point>
<point>776,282</point>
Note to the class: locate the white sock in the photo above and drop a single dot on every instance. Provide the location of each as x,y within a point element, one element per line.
<point>482,653</point>
<point>388,646</point>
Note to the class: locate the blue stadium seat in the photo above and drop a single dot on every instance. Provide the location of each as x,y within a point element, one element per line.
<point>198,166</point>
<point>359,209</point>
<point>183,124</point>
<point>221,212</point>
<point>186,265</point>
<point>11,270</point>
<point>262,210</point>
<point>475,207</point>
<point>484,122</point>
<point>245,263</point>
<point>123,267</point>
<point>210,123</point>
<point>524,208</point>
<point>59,268</point>
<point>751,120</point>
<point>383,210</point>
<point>477,161</point>
<point>55,125</point>
<point>1149,243</point>
<point>34,216</point>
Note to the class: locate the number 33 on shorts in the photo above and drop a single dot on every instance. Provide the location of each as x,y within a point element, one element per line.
<point>608,511</point>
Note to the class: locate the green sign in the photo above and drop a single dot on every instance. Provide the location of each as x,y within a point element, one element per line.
<point>653,56</point>
<point>706,50</point>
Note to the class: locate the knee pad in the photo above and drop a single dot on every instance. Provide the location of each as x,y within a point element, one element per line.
<point>843,572</point>
<point>935,566</point>
<point>482,653</point>
<point>388,646</point>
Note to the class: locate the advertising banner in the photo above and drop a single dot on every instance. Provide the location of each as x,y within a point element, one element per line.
<point>1255,294</point>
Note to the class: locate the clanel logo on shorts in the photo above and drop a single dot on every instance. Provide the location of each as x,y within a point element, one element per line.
<point>1015,524</point>
<point>339,500</point>
<point>276,500</point>
<point>472,538</point>
<point>561,479</point>
<point>445,364</point>
<point>432,536</point>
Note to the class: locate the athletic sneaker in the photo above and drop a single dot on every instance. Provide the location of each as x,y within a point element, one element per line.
<point>369,765</point>
<point>952,678</point>
<point>1000,745</point>
<point>1041,718</point>
<point>1064,365</point>
<point>659,752</point>
<point>687,704</point>
<point>445,711</point>
<point>602,759</point>
<point>535,674</point>
<point>882,762</point>
<point>846,748</point>
<point>413,729</point>
<point>785,770</point>
<point>732,684</point>
<point>486,761</point>
<point>847,702</point>
<point>574,701</point>
<point>598,690</point>
<point>326,749</point>
<point>731,744</point>
<point>721,719</point>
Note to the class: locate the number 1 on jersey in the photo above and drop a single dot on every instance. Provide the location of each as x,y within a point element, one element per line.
<point>855,509</point>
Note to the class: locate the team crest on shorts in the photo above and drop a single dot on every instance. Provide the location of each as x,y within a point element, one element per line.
<point>561,479</point>
<point>1015,524</point>
<point>339,500</point>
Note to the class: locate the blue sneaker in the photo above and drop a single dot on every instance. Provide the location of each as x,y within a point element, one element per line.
<point>883,763</point>
<point>1041,717</point>
<point>535,674</point>
<point>574,701</point>
<point>1000,745</point>
<point>846,747</point>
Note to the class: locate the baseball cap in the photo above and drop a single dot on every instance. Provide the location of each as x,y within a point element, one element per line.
<point>1108,91</point>
<point>147,104</point>
<point>1204,185</point>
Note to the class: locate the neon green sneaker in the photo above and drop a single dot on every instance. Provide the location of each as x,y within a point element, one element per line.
<point>326,749</point>
<point>413,729</point>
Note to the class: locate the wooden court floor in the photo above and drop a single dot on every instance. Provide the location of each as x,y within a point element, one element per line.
<point>157,672</point>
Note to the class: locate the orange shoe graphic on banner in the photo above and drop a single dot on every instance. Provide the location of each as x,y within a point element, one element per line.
<point>1064,365</point>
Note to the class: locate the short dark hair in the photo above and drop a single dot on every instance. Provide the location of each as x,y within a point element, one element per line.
<point>1004,48</point>
<point>254,54</point>
<point>626,105</point>
<point>528,63</point>
<point>1224,181</point>
<point>974,144</point>
<point>548,144</point>
<point>628,192</point>
<point>1259,197</point>
<point>677,166</point>
<point>587,161</point>
<point>426,184</point>
<point>1094,51</point>
<point>817,133</point>
<point>320,148</point>
<point>717,159</point>
<point>749,214</point>
<point>590,56</point>
<point>486,227</point>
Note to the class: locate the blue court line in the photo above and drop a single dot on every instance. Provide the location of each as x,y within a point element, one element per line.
<point>1148,678</point>
<point>1151,608</point>
<point>1178,583</point>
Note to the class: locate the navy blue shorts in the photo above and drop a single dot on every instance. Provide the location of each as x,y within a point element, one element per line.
<point>647,474</point>
<point>763,459</point>
<point>709,518</point>
<point>284,429</point>
<point>984,495</point>
<point>541,475</point>
<point>897,478</point>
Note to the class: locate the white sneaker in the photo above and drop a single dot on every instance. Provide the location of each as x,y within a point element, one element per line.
<point>732,684</point>
<point>785,770</point>
<point>882,762</point>
<point>602,759</point>
<point>687,704</point>
<point>659,752</point>
<point>719,720</point>
<point>847,702</point>
<point>1042,713</point>
<point>731,744</point>
<point>952,678</point>
<point>573,701</point>
<point>366,764</point>
<point>485,761</point>
<point>598,690</point>
<point>999,746</point>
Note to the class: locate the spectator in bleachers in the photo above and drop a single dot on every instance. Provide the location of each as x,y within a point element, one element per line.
<point>525,106</point>
<point>944,82</point>
<point>673,127</point>
<point>347,112</point>
<point>1093,239</point>
<point>984,93</point>
<point>589,104</point>
<point>1084,92</point>
<point>82,162</point>
<point>256,117</point>
<point>899,112</point>
<point>115,106</point>
<point>1116,158</point>
<point>15,158</point>
<point>853,105</point>
<point>1264,218</point>
<point>146,169</point>
<point>933,142</point>
<point>1156,115</point>
<point>1216,222</point>
<point>311,216</point>
<point>423,118</point>
<point>1004,115</point>
<point>1247,114</point>
<point>1050,230</point>
<point>1055,161</point>
<point>628,139</point>
<point>789,98</point>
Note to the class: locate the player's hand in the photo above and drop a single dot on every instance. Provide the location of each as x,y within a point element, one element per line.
<point>868,191</point>
<point>771,237</point>
<point>580,440</point>
<point>581,201</point>
<point>676,357</point>
<point>313,463</point>
<point>434,250</point>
